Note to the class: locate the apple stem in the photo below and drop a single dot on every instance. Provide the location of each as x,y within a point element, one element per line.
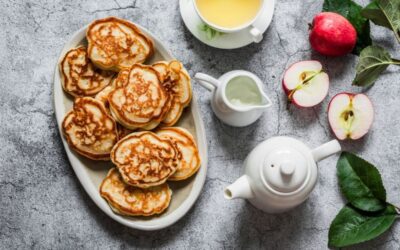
<point>396,61</point>
<point>397,209</point>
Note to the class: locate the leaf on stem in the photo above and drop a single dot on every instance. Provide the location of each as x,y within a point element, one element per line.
<point>361,183</point>
<point>373,61</point>
<point>352,226</point>
<point>384,13</point>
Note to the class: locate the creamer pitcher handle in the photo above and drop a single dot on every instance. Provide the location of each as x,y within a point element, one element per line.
<point>206,81</point>
<point>326,150</point>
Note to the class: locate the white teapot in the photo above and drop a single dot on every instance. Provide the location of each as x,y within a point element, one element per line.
<point>280,173</point>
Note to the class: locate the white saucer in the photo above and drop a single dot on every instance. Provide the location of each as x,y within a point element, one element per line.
<point>224,40</point>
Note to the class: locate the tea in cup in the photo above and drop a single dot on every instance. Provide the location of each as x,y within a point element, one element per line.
<point>231,15</point>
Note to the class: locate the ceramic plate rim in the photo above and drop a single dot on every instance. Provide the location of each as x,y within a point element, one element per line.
<point>83,176</point>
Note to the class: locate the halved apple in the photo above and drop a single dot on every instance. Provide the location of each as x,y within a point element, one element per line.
<point>305,84</point>
<point>350,115</point>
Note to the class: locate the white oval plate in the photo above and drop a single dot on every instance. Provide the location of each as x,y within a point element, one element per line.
<point>226,40</point>
<point>91,173</point>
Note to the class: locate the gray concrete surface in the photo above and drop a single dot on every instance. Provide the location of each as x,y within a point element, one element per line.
<point>44,206</point>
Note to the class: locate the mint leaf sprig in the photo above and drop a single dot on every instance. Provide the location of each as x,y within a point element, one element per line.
<point>209,31</point>
<point>368,214</point>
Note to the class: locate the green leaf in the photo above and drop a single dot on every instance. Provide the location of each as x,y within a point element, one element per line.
<point>375,14</point>
<point>385,13</point>
<point>352,12</point>
<point>352,226</point>
<point>209,32</point>
<point>361,183</point>
<point>373,61</point>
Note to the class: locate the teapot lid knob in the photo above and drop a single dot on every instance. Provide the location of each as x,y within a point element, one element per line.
<point>285,170</point>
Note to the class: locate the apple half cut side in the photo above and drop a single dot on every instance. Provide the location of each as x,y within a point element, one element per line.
<point>350,115</point>
<point>305,84</point>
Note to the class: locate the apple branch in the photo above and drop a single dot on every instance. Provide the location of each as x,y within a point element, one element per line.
<point>397,211</point>
<point>395,61</point>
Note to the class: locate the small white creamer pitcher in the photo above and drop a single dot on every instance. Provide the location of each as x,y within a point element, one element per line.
<point>238,99</point>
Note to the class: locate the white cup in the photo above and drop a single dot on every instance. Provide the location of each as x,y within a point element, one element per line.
<point>254,32</point>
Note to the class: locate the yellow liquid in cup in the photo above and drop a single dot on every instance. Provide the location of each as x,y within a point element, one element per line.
<point>228,13</point>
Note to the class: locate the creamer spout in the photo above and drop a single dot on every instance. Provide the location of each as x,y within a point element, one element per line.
<point>265,99</point>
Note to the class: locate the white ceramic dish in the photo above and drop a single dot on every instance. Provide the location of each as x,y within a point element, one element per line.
<point>91,173</point>
<point>226,40</point>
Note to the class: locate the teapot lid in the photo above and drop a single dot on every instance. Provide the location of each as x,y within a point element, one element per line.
<point>285,169</point>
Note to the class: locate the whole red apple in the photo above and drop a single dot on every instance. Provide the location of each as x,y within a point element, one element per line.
<point>332,34</point>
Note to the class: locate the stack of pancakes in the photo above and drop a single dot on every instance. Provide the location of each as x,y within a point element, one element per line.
<point>118,101</point>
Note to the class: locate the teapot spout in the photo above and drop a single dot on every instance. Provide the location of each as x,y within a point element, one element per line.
<point>326,150</point>
<point>239,189</point>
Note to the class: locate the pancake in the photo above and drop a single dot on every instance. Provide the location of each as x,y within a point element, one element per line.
<point>89,129</point>
<point>162,69</point>
<point>79,77</point>
<point>141,101</point>
<point>122,79</point>
<point>144,159</point>
<point>102,97</point>
<point>176,81</point>
<point>115,44</point>
<point>119,81</point>
<point>132,201</point>
<point>189,158</point>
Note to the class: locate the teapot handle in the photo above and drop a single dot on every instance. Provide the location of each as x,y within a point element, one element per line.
<point>326,150</point>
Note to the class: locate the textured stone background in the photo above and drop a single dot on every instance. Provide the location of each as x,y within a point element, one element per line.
<point>44,206</point>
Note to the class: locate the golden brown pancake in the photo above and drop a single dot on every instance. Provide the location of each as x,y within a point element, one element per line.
<point>115,44</point>
<point>176,82</point>
<point>133,201</point>
<point>144,159</point>
<point>79,77</point>
<point>162,69</point>
<point>122,79</point>
<point>89,129</point>
<point>119,81</point>
<point>102,97</point>
<point>189,158</point>
<point>141,101</point>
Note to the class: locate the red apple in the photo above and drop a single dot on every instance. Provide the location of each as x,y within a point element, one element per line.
<point>305,84</point>
<point>350,115</point>
<point>332,34</point>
